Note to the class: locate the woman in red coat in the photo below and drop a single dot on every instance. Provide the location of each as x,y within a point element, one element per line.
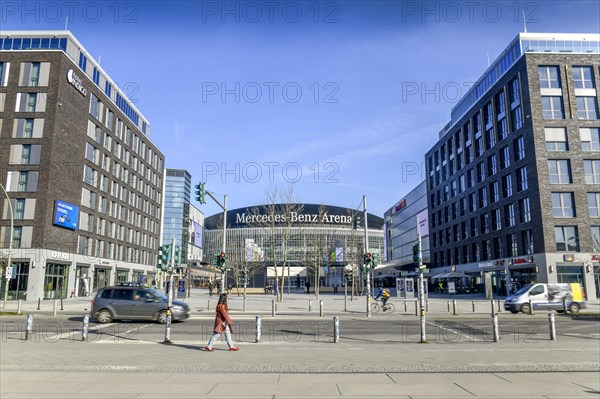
<point>222,325</point>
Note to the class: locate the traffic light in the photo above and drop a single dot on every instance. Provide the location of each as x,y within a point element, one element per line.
<point>176,255</point>
<point>221,260</point>
<point>374,262</point>
<point>348,276</point>
<point>367,260</point>
<point>163,257</point>
<point>356,222</point>
<point>416,251</point>
<point>201,193</point>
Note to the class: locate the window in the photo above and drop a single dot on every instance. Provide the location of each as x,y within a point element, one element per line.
<point>487,250</point>
<point>590,138</point>
<point>504,158</point>
<point>519,145</point>
<point>512,245</point>
<point>89,175</point>
<point>563,205</point>
<point>502,128</point>
<point>591,168</point>
<point>91,153</point>
<point>500,104</point>
<point>509,215</point>
<point>4,66</point>
<point>507,189</point>
<point>549,77</point>
<point>556,138</point>
<point>524,210</point>
<point>31,99</point>
<point>513,91</point>
<point>472,203</point>
<point>484,221</point>
<point>594,204</point>
<point>494,192</point>
<point>496,219</point>
<point>522,179</point>
<point>587,108</point>
<point>481,172</point>
<point>27,181</point>
<point>492,165</point>
<point>17,236</point>
<point>516,118</point>
<point>552,107</point>
<point>560,171</point>
<point>582,76</point>
<point>498,248</point>
<point>527,237</point>
<point>474,231</point>
<point>19,208</point>
<point>490,139</point>
<point>95,107</point>
<point>566,238</point>
<point>483,200</point>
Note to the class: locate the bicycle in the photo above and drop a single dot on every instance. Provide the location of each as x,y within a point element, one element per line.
<point>378,304</point>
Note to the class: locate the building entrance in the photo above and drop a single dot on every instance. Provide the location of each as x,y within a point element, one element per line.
<point>55,281</point>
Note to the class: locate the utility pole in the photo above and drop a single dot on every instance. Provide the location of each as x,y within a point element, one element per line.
<point>366,249</point>
<point>421,286</point>
<point>224,207</point>
<point>10,244</point>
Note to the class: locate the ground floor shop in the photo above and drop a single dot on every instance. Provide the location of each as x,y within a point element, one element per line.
<point>42,274</point>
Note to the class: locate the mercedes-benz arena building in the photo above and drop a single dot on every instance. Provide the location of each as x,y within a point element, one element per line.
<point>307,236</point>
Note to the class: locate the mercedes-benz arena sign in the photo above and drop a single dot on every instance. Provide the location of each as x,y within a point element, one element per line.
<point>296,214</point>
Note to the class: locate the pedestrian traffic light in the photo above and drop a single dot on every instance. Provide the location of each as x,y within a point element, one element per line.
<point>200,193</point>
<point>348,276</point>
<point>356,222</point>
<point>222,260</point>
<point>416,251</point>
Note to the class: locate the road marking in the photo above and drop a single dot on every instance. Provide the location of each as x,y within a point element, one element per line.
<point>472,338</point>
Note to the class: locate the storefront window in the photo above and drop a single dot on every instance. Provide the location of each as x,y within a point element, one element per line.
<point>17,287</point>
<point>570,274</point>
<point>101,278</point>
<point>122,276</point>
<point>55,281</point>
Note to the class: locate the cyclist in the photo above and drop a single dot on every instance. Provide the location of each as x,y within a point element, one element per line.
<point>384,294</point>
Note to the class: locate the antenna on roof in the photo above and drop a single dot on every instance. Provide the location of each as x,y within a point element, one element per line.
<point>67,23</point>
<point>524,21</point>
<point>488,57</point>
<point>99,58</point>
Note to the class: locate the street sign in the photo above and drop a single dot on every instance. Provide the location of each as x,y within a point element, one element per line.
<point>9,272</point>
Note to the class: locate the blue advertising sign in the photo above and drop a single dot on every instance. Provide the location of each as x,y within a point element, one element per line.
<point>66,215</point>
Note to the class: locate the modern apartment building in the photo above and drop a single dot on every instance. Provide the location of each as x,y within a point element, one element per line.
<point>83,177</point>
<point>513,183</point>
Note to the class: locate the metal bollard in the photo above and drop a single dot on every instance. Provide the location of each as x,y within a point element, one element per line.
<point>55,306</point>
<point>499,308</point>
<point>405,307</point>
<point>473,304</point>
<point>86,323</point>
<point>321,308</point>
<point>273,308</point>
<point>19,306</point>
<point>427,306</point>
<point>61,304</point>
<point>29,327</point>
<point>565,305</point>
<point>448,302</point>
<point>258,330</point>
<point>493,309</point>
<point>530,307</point>
<point>336,329</point>
<point>454,307</point>
<point>39,303</point>
<point>552,326</point>
<point>416,308</point>
<point>496,330</point>
<point>309,305</point>
<point>345,303</point>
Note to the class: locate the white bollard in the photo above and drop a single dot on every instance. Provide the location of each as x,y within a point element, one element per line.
<point>29,327</point>
<point>496,329</point>
<point>454,307</point>
<point>19,303</point>
<point>336,329</point>
<point>321,308</point>
<point>309,305</point>
<point>273,308</point>
<point>55,306</point>
<point>84,333</point>
<point>258,330</point>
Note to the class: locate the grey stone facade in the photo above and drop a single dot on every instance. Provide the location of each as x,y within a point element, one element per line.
<point>542,262</point>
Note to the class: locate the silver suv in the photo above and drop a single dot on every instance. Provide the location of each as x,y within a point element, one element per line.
<point>135,303</point>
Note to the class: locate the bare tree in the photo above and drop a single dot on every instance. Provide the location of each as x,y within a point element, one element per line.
<point>316,248</point>
<point>276,221</point>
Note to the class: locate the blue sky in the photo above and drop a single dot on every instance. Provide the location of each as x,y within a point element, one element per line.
<point>337,98</point>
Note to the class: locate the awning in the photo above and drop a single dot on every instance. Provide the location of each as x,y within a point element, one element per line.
<point>450,275</point>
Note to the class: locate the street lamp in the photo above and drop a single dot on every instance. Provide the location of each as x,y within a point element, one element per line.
<point>10,243</point>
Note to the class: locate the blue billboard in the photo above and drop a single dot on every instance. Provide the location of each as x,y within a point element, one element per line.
<point>66,215</point>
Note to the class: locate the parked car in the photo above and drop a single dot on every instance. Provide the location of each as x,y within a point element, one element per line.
<point>547,296</point>
<point>135,303</point>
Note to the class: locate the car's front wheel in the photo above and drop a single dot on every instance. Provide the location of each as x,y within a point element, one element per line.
<point>104,316</point>
<point>574,308</point>
<point>162,317</point>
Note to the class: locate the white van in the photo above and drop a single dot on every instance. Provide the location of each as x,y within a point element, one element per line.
<point>546,296</point>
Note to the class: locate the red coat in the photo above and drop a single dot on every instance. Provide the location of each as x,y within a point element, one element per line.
<point>222,316</point>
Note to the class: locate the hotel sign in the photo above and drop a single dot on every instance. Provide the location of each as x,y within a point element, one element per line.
<point>519,261</point>
<point>76,82</point>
